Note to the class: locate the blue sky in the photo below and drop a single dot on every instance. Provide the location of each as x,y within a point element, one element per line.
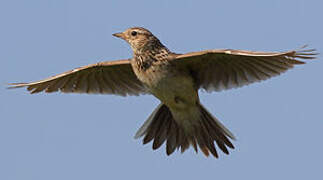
<point>278,123</point>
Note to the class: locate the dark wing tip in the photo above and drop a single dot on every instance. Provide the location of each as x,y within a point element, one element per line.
<point>296,56</point>
<point>303,53</point>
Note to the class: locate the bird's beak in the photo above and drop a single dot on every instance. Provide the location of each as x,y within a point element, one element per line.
<point>119,35</point>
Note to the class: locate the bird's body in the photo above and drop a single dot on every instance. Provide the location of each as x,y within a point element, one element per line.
<point>173,87</point>
<point>163,79</point>
<point>174,79</point>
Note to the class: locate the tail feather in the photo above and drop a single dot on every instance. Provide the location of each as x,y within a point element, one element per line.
<point>216,123</point>
<point>173,138</point>
<point>143,129</point>
<point>161,133</point>
<point>161,127</point>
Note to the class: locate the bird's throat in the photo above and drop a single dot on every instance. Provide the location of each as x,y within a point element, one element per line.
<point>153,56</point>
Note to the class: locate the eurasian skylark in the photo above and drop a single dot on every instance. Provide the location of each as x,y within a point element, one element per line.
<point>174,79</point>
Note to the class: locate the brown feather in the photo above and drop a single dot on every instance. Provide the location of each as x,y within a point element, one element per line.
<point>226,68</point>
<point>161,134</point>
<point>171,137</point>
<point>121,80</point>
<point>155,124</point>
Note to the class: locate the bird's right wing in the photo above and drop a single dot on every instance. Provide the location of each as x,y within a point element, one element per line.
<point>109,77</point>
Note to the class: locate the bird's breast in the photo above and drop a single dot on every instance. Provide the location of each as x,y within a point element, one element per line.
<point>172,86</point>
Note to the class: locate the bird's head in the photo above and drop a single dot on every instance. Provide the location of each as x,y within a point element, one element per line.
<point>140,39</point>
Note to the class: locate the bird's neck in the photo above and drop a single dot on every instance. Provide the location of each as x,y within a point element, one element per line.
<point>151,54</point>
<point>151,48</point>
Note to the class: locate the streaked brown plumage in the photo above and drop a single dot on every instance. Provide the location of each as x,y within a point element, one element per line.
<point>174,79</point>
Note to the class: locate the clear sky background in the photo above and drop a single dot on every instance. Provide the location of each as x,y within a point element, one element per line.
<point>278,123</point>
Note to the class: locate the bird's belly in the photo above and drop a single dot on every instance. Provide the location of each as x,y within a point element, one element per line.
<point>175,90</point>
<point>172,87</point>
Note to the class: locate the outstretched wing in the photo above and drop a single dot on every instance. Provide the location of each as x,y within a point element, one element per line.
<point>216,70</point>
<point>109,77</point>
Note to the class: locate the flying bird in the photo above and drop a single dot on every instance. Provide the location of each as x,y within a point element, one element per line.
<point>180,119</point>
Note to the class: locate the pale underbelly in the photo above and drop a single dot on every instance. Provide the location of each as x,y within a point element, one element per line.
<point>175,91</point>
<point>171,86</point>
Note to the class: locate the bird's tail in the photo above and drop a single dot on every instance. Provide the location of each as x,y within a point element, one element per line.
<point>203,131</point>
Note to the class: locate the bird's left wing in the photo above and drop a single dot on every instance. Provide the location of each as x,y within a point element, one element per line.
<point>109,77</point>
<point>216,70</point>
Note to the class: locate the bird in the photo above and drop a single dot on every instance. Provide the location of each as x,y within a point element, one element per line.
<point>180,120</point>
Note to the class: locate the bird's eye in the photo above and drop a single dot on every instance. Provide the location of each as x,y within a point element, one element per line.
<point>133,33</point>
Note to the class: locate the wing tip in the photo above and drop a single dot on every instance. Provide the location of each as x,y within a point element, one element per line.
<point>305,53</point>
<point>16,85</point>
<point>296,56</point>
